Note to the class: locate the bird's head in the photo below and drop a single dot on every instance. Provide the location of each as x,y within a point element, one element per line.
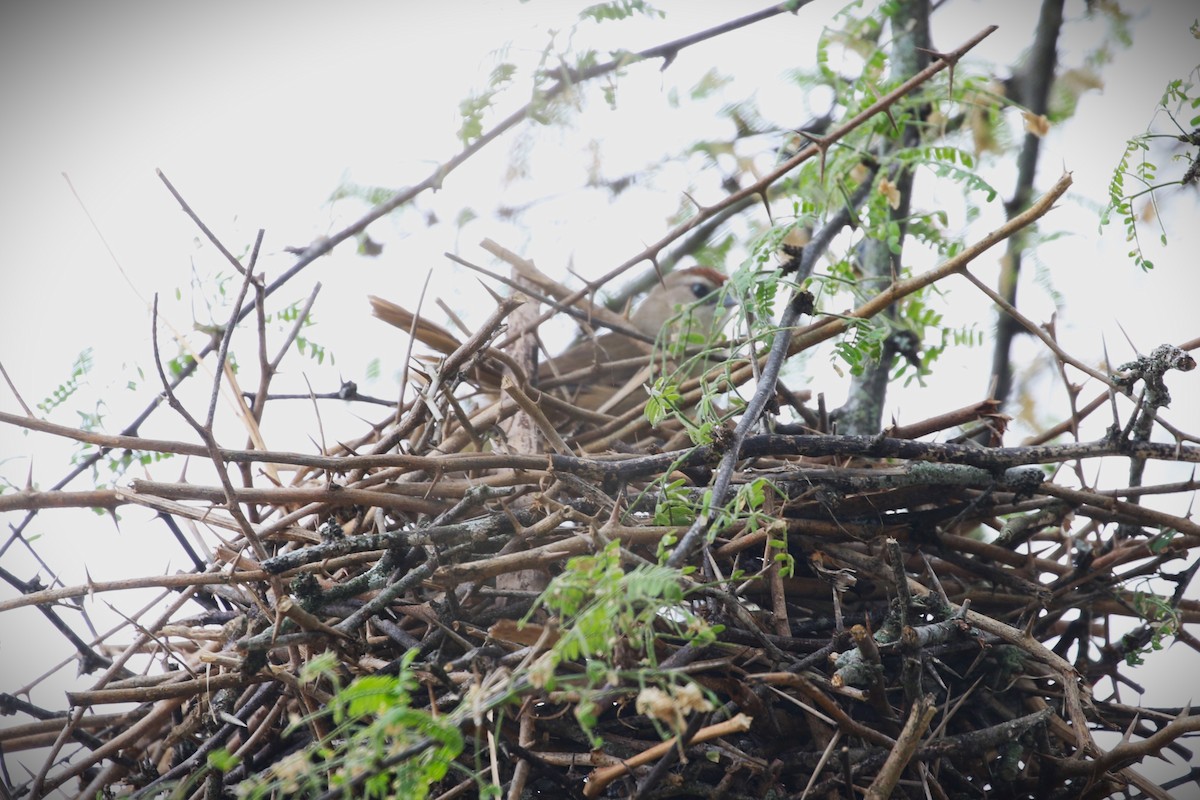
<point>691,296</point>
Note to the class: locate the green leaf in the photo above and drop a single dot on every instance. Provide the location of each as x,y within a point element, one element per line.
<point>618,10</point>
<point>663,400</point>
<point>472,108</point>
<point>79,371</point>
<point>222,760</point>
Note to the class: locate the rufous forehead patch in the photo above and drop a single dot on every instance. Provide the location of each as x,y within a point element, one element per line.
<point>717,278</point>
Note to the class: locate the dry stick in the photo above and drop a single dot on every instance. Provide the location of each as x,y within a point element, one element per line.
<point>1037,330</point>
<point>825,329</point>
<point>107,499</point>
<point>593,314</point>
<point>1132,752</point>
<point>453,462</point>
<point>599,467</point>
<point>957,418</point>
<point>599,780</point>
<point>324,495</point>
<point>526,737</point>
<point>166,691</point>
<point>375,490</point>
<point>1141,514</point>
<point>591,311</point>
<point>526,404</point>
<point>251,416</point>
<point>906,745</point>
<point>779,612</point>
<point>268,368</point>
<point>154,581</point>
<point>12,388</point>
<point>1072,391</point>
<point>1177,487</point>
<point>684,739</point>
<point>54,724</point>
<point>408,350</point>
<point>208,234</point>
<point>995,459</point>
<point>272,366</point>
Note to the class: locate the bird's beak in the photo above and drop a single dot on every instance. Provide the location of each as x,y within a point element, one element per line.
<point>730,301</point>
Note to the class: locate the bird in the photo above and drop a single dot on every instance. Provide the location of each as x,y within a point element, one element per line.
<point>681,313</point>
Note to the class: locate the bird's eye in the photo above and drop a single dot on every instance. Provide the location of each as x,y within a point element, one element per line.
<point>700,290</point>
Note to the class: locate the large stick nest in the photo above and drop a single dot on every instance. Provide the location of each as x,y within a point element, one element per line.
<point>449,604</point>
<point>883,612</point>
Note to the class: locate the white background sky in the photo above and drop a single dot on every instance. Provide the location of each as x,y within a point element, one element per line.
<point>257,112</point>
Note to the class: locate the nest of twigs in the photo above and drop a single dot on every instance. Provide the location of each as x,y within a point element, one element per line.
<point>882,614</point>
<point>500,594</point>
<point>510,597</point>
